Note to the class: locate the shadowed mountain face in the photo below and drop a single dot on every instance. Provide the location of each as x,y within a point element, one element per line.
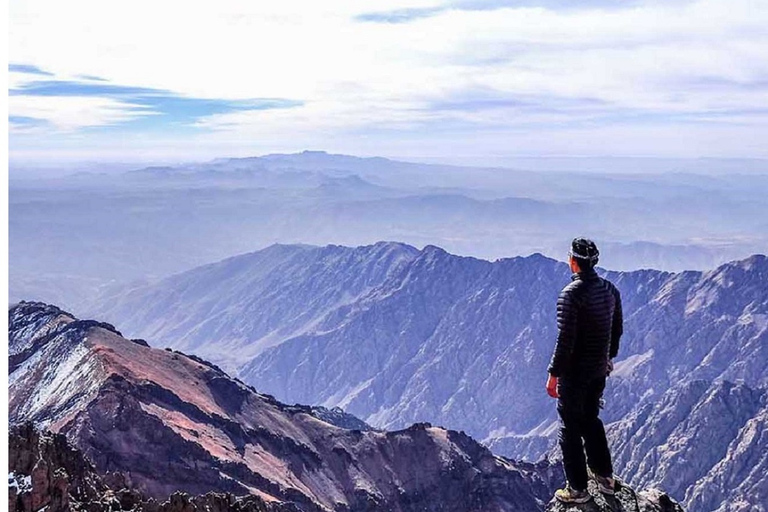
<point>171,422</point>
<point>395,335</point>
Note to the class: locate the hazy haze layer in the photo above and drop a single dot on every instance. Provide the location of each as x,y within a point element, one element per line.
<point>73,235</point>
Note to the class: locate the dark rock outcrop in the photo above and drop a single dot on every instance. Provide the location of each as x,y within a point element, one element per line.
<point>626,499</point>
<point>48,473</point>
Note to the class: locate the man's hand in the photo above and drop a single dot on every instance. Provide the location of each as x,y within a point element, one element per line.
<point>610,367</point>
<point>552,386</point>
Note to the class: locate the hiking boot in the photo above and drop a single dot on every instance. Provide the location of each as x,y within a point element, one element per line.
<point>571,495</point>
<point>605,484</point>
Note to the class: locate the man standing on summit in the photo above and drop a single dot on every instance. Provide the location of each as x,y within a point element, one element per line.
<point>589,322</point>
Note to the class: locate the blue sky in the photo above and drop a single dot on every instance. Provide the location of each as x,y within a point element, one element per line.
<point>456,79</point>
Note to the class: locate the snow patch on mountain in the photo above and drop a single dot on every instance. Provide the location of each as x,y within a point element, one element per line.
<point>19,482</point>
<point>55,378</point>
<point>60,376</point>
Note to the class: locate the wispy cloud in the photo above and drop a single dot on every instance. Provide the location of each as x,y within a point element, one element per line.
<point>71,113</point>
<point>412,14</point>
<point>400,15</point>
<point>559,5</point>
<point>477,100</point>
<point>26,68</point>
<point>91,78</point>
<point>111,104</point>
<point>23,124</point>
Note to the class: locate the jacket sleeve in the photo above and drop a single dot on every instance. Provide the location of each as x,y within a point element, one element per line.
<point>617,326</point>
<point>567,315</point>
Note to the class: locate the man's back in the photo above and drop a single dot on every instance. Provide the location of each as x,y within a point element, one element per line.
<point>589,319</point>
<point>594,304</point>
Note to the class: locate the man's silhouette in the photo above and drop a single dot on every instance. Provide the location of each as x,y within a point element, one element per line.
<point>589,322</point>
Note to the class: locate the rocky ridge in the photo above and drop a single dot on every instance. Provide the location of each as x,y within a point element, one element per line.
<point>169,423</point>
<point>48,473</point>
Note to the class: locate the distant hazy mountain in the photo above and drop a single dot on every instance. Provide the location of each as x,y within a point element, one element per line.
<point>71,237</point>
<point>396,335</point>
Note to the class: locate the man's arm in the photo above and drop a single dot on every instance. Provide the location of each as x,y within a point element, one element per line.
<point>567,314</point>
<point>617,328</point>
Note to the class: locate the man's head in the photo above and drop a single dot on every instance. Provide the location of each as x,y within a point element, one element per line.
<point>583,255</point>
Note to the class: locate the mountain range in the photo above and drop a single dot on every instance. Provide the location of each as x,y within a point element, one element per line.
<point>72,237</point>
<point>397,335</point>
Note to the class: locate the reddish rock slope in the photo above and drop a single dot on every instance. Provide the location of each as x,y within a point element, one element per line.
<point>172,422</point>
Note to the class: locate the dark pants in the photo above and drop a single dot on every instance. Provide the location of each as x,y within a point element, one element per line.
<point>581,429</point>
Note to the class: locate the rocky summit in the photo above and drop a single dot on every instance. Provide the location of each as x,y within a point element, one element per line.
<point>626,499</point>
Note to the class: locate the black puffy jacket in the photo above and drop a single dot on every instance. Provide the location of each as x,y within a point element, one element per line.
<point>589,321</point>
